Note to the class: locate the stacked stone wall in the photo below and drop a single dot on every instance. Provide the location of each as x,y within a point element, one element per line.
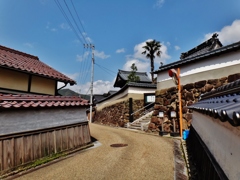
<point>167,101</point>
<point>118,114</point>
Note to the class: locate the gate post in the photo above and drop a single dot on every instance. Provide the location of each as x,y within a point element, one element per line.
<point>130,110</point>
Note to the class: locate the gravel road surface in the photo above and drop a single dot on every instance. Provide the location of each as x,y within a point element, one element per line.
<point>145,157</point>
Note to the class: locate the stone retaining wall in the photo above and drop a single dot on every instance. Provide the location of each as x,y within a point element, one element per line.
<point>167,101</point>
<point>118,114</point>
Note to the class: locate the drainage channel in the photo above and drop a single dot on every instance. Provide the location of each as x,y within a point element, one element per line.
<point>118,145</point>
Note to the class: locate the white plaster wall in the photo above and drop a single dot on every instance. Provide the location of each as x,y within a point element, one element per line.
<point>24,120</point>
<point>222,140</point>
<point>210,68</point>
<point>124,96</point>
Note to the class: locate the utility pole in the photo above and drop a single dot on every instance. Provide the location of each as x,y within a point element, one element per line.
<point>92,73</point>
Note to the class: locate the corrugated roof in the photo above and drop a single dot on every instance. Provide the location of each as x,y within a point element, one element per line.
<point>9,101</point>
<point>222,103</point>
<point>216,52</point>
<point>10,58</point>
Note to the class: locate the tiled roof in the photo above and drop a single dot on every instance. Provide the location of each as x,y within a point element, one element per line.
<point>34,101</point>
<point>189,60</point>
<point>209,45</point>
<point>20,61</point>
<point>222,103</point>
<point>142,75</point>
<point>122,78</point>
<point>145,85</point>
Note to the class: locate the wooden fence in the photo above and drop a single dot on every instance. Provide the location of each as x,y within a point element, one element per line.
<point>22,148</point>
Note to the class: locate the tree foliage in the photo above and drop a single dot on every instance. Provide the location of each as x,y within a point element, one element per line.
<point>152,48</point>
<point>132,77</point>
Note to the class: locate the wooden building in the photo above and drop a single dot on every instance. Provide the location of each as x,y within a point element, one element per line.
<point>35,122</point>
<point>25,73</point>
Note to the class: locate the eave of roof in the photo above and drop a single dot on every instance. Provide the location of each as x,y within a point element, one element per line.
<point>131,84</point>
<point>9,101</point>
<point>142,75</point>
<point>222,103</point>
<point>20,61</point>
<point>216,52</point>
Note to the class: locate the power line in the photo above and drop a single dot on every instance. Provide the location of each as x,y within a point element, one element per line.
<point>67,19</point>
<point>75,22</point>
<point>106,70</point>
<point>79,18</point>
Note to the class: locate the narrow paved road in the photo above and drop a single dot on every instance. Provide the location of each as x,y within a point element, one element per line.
<point>145,157</point>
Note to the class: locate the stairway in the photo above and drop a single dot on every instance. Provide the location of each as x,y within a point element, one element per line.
<point>141,123</point>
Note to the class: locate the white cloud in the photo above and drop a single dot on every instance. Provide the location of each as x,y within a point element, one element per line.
<point>30,45</point>
<point>176,47</point>
<point>65,26</point>
<point>86,55</point>
<point>101,55</point>
<point>142,66</point>
<point>120,50</point>
<point>48,27</point>
<point>86,37</point>
<point>138,53</point>
<point>228,34</point>
<point>159,3</point>
<point>140,60</point>
<point>99,87</point>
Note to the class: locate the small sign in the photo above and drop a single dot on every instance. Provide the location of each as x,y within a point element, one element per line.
<point>150,99</point>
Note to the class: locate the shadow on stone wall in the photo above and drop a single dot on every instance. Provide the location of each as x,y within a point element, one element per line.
<point>167,101</point>
<point>118,114</point>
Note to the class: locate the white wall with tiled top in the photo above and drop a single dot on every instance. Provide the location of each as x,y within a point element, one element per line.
<point>209,68</point>
<point>222,140</point>
<point>19,120</point>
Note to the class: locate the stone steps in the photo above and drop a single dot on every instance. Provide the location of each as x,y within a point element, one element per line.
<point>141,123</point>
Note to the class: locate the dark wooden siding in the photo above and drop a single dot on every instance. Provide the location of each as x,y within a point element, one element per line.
<point>22,148</point>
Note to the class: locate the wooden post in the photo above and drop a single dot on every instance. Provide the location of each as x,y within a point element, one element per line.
<point>180,102</point>
<point>130,110</point>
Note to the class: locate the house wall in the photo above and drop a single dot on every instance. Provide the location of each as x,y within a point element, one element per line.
<point>222,140</point>
<point>43,85</point>
<point>210,68</point>
<point>19,81</point>
<point>13,80</point>
<point>20,120</point>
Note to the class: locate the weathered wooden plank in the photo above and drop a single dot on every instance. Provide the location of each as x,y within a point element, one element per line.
<point>1,155</point>
<point>81,134</point>
<point>19,151</point>
<point>36,146</point>
<point>45,145</point>
<point>8,151</point>
<point>58,140</point>
<point>64,139</point>
<point>70,138</point>
<point>75,136</point>
<point>28,155</point>
<point>51,142</point>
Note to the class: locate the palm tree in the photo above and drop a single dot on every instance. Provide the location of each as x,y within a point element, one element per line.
<point>152,48</point>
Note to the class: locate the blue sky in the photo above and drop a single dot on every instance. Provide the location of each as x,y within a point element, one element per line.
<point>118,29</point>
